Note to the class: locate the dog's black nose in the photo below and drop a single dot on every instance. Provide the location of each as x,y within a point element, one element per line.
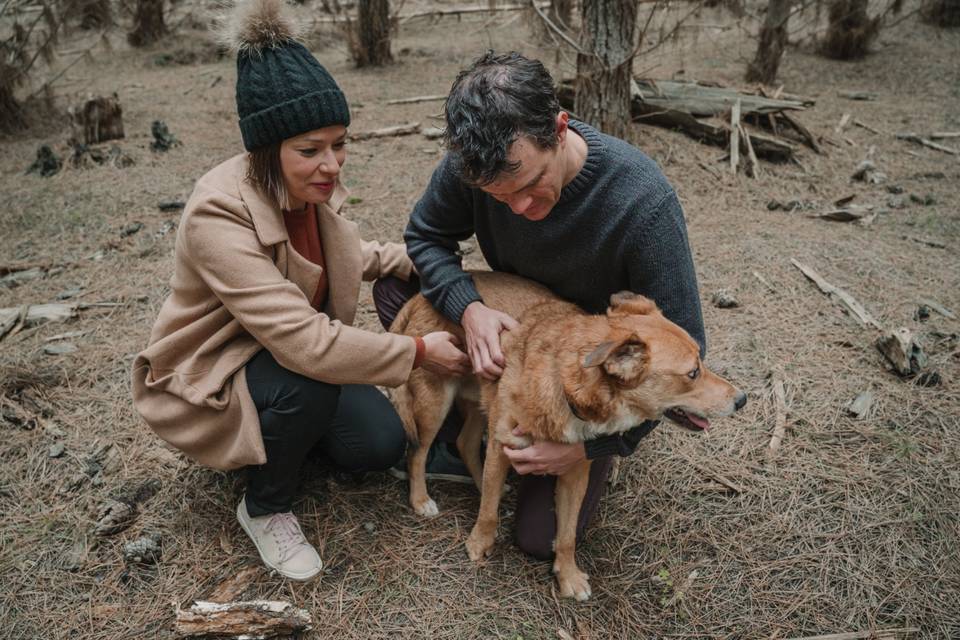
<point>740,401</point>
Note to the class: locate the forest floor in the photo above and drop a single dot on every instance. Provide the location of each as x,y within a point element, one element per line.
<point>852,525</point>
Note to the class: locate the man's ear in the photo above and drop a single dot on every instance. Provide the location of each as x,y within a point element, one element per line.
<point>628,303</point>
<point>624,359</point>
<point>563,127</point>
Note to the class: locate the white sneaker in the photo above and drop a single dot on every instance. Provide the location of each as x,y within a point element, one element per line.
<point>281,543</point>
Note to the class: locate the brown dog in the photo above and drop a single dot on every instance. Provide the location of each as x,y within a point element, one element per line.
<point>569,377</point>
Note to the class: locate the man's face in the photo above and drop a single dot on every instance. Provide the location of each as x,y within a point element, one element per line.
<point>534,189</point>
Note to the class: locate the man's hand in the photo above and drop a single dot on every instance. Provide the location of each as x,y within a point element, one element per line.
<point>544,457</point>
<point>482,326</point>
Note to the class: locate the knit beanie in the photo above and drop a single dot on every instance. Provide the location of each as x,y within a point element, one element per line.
<point>282,91</point>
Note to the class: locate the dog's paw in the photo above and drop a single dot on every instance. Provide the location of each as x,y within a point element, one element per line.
<point>479,546</point>
<point>426,508</point>
<point>574,584</point>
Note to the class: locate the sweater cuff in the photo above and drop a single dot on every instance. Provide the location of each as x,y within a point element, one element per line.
<point>602,447</point>
<point>459,296</point>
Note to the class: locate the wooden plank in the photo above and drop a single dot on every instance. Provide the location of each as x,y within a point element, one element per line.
<point>735,137</point>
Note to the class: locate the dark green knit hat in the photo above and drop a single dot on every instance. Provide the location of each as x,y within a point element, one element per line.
<point>282,91</point>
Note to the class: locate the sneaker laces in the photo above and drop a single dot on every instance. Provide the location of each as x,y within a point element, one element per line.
<point>286,531</point>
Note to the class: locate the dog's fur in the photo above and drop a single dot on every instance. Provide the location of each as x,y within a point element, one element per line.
<point>569,377</point>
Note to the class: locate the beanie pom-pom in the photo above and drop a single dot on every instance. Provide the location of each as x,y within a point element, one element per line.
<point>253,26</point>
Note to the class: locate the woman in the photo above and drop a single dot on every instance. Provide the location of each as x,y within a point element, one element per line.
<point>252,361</point>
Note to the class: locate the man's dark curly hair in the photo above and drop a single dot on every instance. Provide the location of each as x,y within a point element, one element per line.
<point>498,99</point>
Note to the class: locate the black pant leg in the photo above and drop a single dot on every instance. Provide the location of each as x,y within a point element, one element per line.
<point>390,294</point>
<point>295,413</point>
<point>366,433</point>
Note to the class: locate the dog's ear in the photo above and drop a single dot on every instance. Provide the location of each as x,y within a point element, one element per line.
<point>625,358</point>
<point>629,303</point>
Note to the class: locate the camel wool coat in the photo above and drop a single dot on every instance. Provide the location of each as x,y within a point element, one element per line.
<point>238,287</point>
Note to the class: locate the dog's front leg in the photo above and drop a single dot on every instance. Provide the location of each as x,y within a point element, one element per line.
<point>571,487</point>
<point>495,467</point>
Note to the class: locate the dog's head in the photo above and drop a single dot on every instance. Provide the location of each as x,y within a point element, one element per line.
<point>656,367</point>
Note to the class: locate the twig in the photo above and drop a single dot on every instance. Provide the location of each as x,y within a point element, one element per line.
<point>780,414</point>
<point>844,119</point>
<point>555,28</point>
<point>398,130</point>
<point>912,137</point>
<point>416,99</point>
<point>864,125</point>
<point>763,281</point>
<point>942,135</point>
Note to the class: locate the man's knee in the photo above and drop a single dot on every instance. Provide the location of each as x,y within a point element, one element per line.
<point>534,542</point>
<point>389,296</point>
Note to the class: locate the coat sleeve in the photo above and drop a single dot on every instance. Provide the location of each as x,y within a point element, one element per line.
<point>385,259</point>
<point>223,248</point>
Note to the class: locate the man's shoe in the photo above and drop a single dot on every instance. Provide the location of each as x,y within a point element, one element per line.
<point>442,464</point>
<point>281,543</point>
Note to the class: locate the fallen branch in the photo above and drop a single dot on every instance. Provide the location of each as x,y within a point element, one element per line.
<point>386,132</point>
<point>839,295</point>
<point>912,137</point>
<point>864,125</point>
<point>7,269</point>
<point>416,99</point>
<point>254,619</point>
<point>858,95</point>
<point>943,135</point>
<point>939,308</point>
<point>810,139</point>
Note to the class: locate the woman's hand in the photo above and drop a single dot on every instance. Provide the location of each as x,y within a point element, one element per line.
<point>482,326</point>
<point>442,355</point>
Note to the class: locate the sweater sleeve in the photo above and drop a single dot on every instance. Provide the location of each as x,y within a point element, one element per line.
<point>230,260</point>
<point>660,267</point>
<point>442,217</point>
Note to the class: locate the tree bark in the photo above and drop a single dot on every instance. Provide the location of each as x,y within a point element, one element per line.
<point>148,23</point>
<point>605,64</point>
<point>373,26</point>
<point>943,13</point>
<point>773,40</point>
<point>851,30</point>
<point>561,13</point>
<point>96,14</point>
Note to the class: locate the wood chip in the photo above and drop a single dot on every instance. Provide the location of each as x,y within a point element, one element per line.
<point>838,295</point>
<point>902,351</point>
<point>235,586</point>
<point>860,406</point>
<point>844,119</point>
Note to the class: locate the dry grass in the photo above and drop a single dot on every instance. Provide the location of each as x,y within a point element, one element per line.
<point>850,525</point>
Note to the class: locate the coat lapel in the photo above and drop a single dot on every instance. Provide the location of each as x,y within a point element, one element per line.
<point>341,243</point>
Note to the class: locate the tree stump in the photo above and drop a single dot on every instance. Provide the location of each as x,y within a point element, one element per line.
<point>148,24</point>
<point>98,120</point>
<point>373,33</point>
<point>605,66</point>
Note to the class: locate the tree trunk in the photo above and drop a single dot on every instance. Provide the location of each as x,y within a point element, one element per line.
<point>605,64</point>
<point>851,30</point>
<point>96,14</point>
<point>11,112</point>
<point>943,13</point>
<point>773,39</point>
<point>373,26</point>
<point>148,23</point>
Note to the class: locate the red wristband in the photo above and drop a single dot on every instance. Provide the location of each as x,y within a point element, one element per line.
<point>421,351</point>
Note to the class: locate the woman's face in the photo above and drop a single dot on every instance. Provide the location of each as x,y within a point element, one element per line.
<point>311,164</point>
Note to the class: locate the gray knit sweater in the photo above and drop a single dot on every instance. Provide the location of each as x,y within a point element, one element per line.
<point>617,226</point>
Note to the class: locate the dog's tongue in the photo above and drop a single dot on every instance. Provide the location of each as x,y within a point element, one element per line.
<point>703,423</point>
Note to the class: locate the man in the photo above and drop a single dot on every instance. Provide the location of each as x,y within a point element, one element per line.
<point>556,201</point>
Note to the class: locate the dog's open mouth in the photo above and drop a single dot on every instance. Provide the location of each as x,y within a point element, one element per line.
<point>687,419</point>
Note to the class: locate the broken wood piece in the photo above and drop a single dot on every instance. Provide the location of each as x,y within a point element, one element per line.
<point>34,314</point>
<point>779,413</point>
<point>235,586</point>
<point>912,137</point>
<point>252,619</point>
<point>416,99</point>
<point>860,406</point>
<point>858,95</point>
<point>844,119</point>
<point>808,137</point>
<point>902,350</point>
<point>386,132</point>
<point>753,170</point>
<point>838,295</point>
<point>939,308</point>
<point>735,137</point>
<point>943,135</point>
<point>873,634</point>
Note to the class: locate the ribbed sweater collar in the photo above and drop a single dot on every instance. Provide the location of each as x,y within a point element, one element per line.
<point>591,166</point>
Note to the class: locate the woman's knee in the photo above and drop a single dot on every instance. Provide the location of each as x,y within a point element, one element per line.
<point>386,447</point>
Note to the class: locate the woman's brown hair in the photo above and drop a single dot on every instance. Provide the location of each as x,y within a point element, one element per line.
<point>264,172</point>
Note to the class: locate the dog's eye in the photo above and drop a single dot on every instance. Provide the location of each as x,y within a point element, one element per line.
<point>693,375</point>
